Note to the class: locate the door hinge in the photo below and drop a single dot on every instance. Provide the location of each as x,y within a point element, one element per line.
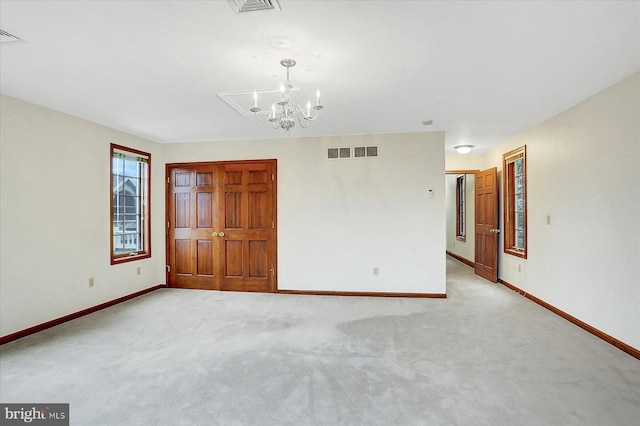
<point>273,272</point>
<point>168,225</point>
<point>168,268</point>
<point>168,179</point>
<point>273,176</point>
<point>273,225</point>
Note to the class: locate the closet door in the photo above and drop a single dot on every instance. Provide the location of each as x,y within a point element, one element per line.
<point>249,227</point>
<point>193,210</point>
<point>222,226</point>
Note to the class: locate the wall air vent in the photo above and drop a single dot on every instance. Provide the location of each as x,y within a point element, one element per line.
<point>242,6</point>
<point>355,152</point>
<point>365,151</point>
<point>6,37</point>
<point>339,153</point>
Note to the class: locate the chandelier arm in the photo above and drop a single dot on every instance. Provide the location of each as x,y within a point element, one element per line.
<point>303,119</point>
<point>263,120</point>
<point>315,116</point>
<point>301,111</point>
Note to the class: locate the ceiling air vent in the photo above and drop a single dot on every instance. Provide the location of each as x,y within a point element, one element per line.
<point>6,37</point>
<point>242,6</point>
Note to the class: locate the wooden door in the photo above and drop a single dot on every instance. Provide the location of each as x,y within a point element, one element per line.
<point>221,220</point>
<point>248,225</point>
<point>486,229</point>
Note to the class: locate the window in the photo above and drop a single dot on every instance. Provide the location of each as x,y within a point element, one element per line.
<point>514,171</point>
<point>130,204</point>
<point>461,208</point>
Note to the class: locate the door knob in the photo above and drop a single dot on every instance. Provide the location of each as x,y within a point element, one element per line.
<point>221,234</point>
<point>215,234</point>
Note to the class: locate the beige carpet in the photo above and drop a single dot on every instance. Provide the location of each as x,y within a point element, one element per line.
<point>483,356</point>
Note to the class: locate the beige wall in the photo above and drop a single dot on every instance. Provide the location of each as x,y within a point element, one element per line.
<point>340,219</point>
<point>583,172</point>
<point>55,219</point>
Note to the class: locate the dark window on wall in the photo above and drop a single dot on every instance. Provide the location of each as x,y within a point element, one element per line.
<point>130,204</point>
<point>461,208</point>
<point>514,171</point>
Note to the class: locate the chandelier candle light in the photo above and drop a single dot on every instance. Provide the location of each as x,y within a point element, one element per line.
<point>284,114</point>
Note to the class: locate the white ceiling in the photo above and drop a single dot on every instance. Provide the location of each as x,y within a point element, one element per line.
<point>482,71</point>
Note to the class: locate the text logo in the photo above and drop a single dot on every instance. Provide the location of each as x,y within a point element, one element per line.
<point>34,414</point>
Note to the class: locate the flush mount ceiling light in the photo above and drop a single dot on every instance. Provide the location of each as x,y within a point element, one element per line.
<point>284,114</point>
<point>463,149</point>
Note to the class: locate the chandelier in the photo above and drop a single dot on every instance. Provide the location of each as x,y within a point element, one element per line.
<point>283,114</point>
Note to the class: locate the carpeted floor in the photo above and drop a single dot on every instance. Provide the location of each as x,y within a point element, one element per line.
<point>483,356</point>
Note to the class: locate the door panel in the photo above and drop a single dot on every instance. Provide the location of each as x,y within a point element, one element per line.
<point>205,254</point>
<point>192,248</point>
<point>258,259</point>
<point>249,227</point>
<point>182,257</point>
<point>221,219</point>
<point>486,229</point>
<point>233,258</point>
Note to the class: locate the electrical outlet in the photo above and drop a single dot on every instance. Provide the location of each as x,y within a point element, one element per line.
<point>138,271</point>
<point>376,271</point>
<point>91,282</point>
<point>519,268</point>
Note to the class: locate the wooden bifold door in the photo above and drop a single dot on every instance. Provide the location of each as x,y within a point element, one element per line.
<point>221,226</point>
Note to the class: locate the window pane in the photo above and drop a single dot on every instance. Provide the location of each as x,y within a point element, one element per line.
<point>519,166</point>
<point>117,183</point>
<point>131,205</point>
<point>519,185</point>
<point>519,202</point>
<point>118,244</point>
<point>130,167</point>
<point>118,226</point>
<point>520,239</point>
<point>131,223</point>
<point>519,220</point>
<point>118,166</point>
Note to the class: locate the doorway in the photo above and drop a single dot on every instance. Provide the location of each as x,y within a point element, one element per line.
<point>221,225</point>
<point>472,219</point>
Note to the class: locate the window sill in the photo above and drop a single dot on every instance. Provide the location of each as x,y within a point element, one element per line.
<point>125,259</point>
<point>516,252</point>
